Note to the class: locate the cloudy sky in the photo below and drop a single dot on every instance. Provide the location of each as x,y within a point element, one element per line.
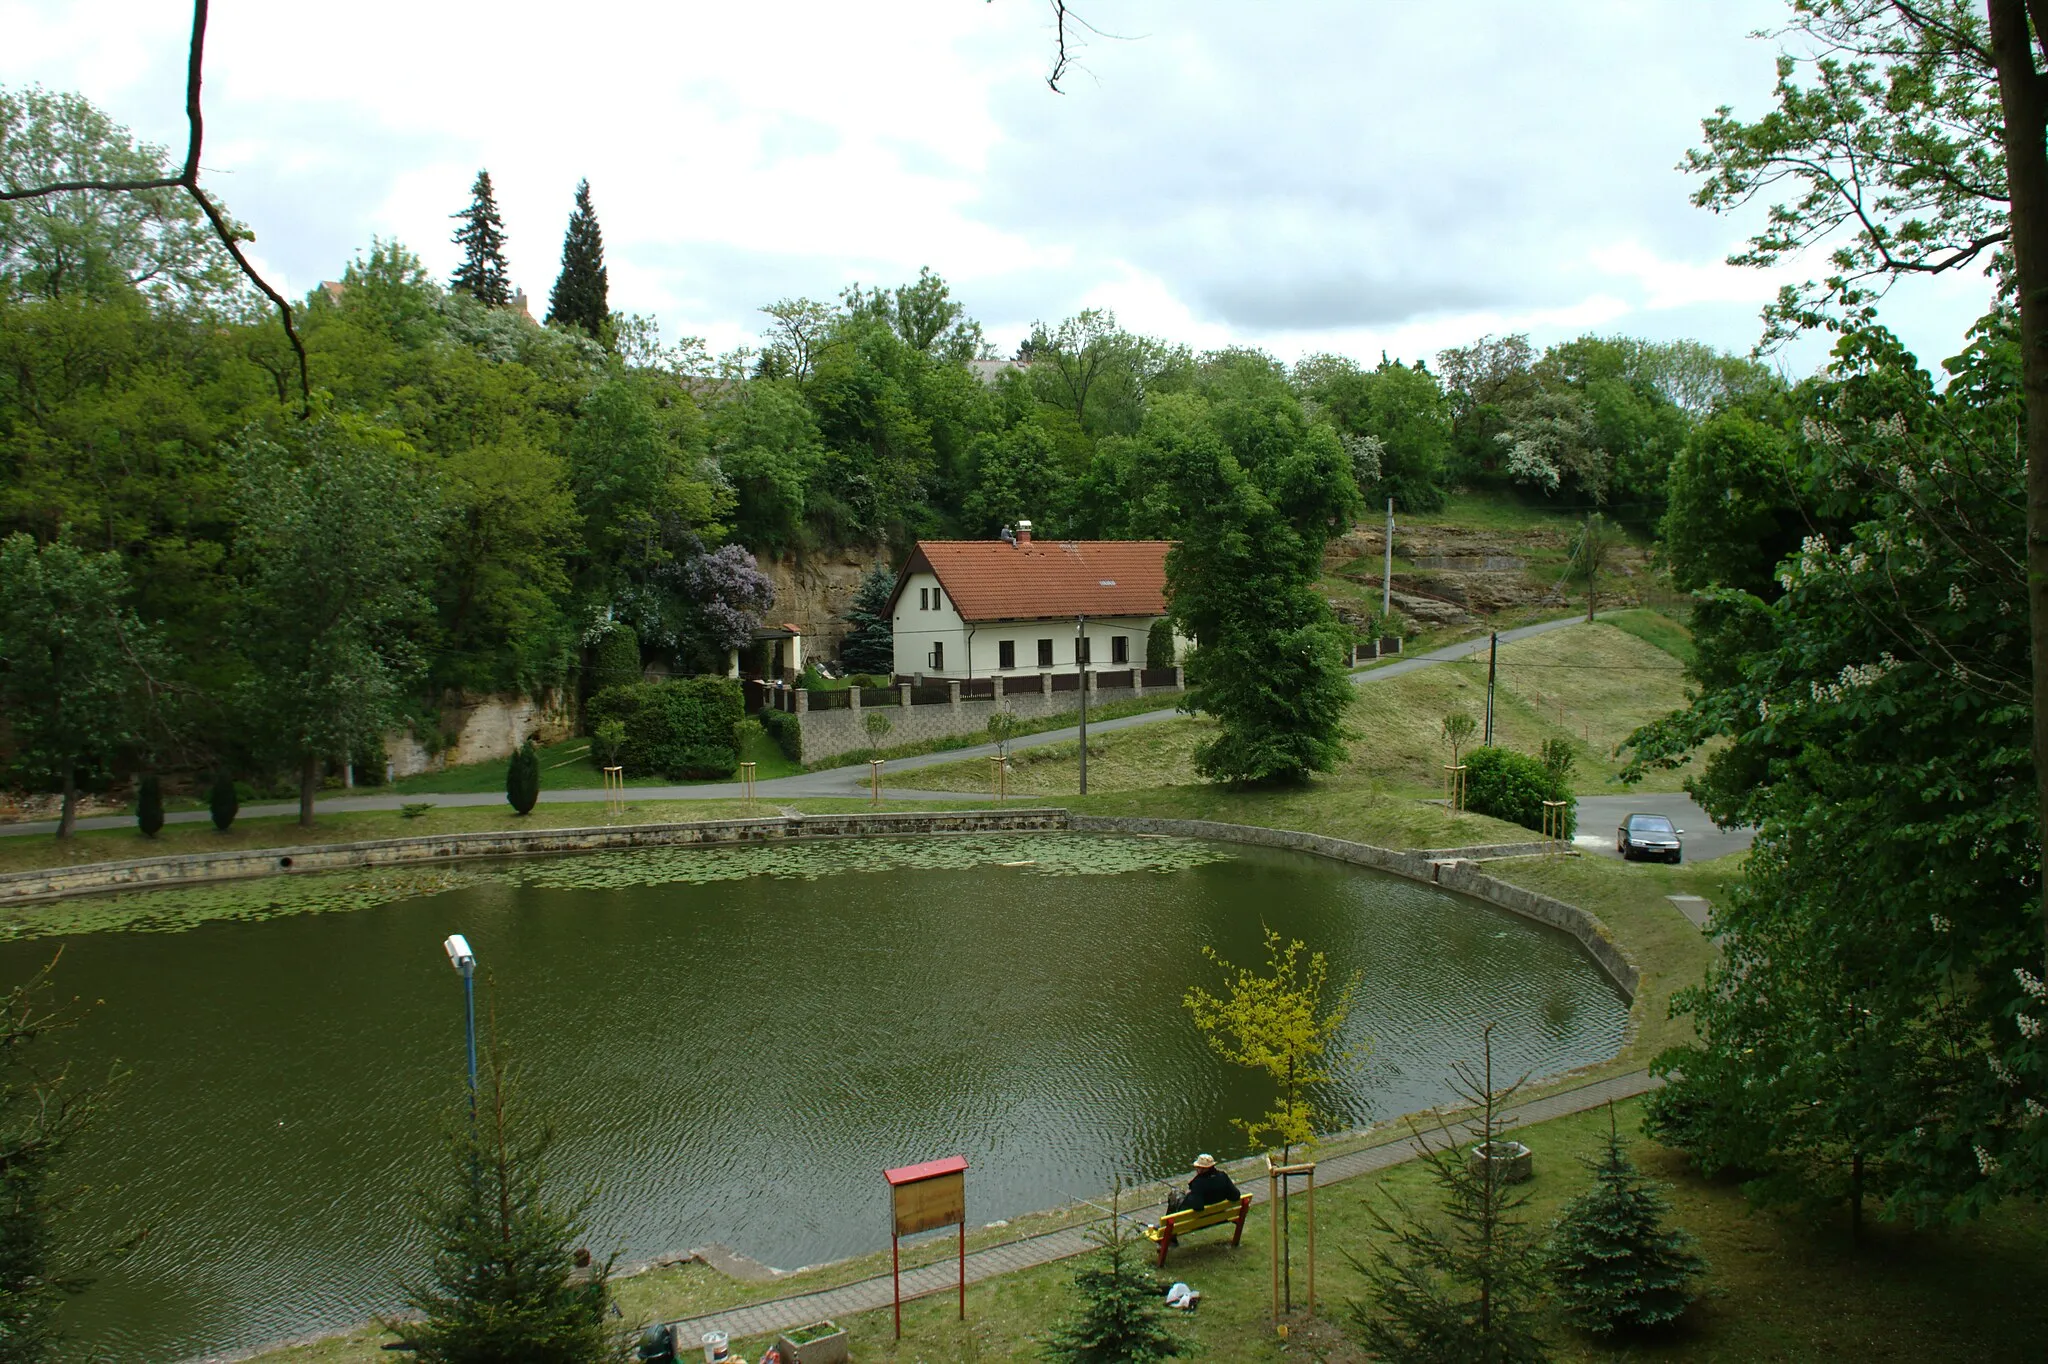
<point>1357,176</point>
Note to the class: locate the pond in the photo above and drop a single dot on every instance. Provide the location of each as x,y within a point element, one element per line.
<point>731,1044</point>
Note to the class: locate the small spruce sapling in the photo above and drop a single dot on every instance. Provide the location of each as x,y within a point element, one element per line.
<point>1461,1285</point>
<point>1613,1262</point>
<point>149,806</point>
<point>223,802</point>
<point>1120,1317</point>
<point>522,779</point>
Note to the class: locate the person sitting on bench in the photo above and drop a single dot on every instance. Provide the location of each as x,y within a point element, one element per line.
<point>1209,1187</point>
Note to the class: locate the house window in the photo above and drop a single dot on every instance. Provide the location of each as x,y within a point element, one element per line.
<point>1083,652</point>
<point>1006,654</point>
<point>1045,653</point>
<point>938,657</point>
<point>924,599</point>
<point>938,598</point>
<point>1119,649</point>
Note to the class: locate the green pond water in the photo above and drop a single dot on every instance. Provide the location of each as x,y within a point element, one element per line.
<point>731,1043</point>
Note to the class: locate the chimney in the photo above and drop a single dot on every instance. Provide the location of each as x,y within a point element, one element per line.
<point>1023,534</point>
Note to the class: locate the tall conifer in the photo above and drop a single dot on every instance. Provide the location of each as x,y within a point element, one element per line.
<point>581,298</point>
<point>483,273</point>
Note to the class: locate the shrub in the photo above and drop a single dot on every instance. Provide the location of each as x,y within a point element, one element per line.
<point>149,806</point>
<point>607,737</point>
<point>1513,786</point>
<point>224,802</point>
<point>615,660</point>
<point>787,732</point>
<point>1615,1264</point>
<point>680,729</point>
<point>1159,645</point>
<point>522,779</point>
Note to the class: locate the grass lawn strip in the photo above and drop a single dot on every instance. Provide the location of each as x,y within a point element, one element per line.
<point>1779,1289</point>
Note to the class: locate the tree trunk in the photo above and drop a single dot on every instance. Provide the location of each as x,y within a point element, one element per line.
<point>2025,105</point>
<point>309,782</point>
<point>67,815</point>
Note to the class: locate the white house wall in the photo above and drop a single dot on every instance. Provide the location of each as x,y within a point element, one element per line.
<point>975,650</point>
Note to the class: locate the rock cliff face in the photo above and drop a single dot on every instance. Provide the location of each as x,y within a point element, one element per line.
<point>1445,574</point>
<point>812,593</point>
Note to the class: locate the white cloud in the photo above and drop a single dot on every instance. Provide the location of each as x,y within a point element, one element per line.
<point>1328,174</point>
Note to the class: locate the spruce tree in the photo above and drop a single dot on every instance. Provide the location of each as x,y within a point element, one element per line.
<point>149,806</point>
<point>504,1283</point>
<point>223,802</point>
<point>1120,1317</point>
<point>522,778</point>
<point>581,297</point>
<point>1460,1287</point>
<point>1613,1262</point>
<point>483,273</point>
<point>870,643</point>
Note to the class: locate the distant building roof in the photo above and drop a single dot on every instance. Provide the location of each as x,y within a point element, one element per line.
<point>988,371</point>
<point>991,580</point>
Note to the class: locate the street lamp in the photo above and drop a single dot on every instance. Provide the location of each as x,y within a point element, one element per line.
<point>464,961</point>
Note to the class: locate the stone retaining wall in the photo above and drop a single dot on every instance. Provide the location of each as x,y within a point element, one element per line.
<point>198,868</point>
<point>1453,869</point>
<point>1450,868</point>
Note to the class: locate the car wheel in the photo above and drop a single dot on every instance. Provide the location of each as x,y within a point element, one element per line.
<point>1676,857</point>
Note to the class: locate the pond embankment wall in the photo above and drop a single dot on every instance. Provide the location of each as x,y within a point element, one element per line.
<point>1454,868</point>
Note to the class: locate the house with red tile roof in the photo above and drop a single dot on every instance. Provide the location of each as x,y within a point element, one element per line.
<point>1016,606</point>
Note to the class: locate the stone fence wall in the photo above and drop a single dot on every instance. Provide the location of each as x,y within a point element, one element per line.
<point>829,734</point>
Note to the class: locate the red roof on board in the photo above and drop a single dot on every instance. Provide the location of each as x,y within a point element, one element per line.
<point>995,580</point>
<point>930,1169</point>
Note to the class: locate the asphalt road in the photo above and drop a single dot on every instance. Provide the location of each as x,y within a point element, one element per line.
<point>898,774</point>
<point>1599,816</point>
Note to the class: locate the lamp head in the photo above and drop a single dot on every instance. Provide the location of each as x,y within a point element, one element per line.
<point>459,955</point>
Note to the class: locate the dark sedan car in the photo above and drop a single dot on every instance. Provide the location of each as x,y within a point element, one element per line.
<point>1649,836</point>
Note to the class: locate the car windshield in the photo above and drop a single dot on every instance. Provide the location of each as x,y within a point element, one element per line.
<point>1649,824</point>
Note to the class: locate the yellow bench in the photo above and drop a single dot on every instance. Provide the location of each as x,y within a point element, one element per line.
<point>1175,1225</point>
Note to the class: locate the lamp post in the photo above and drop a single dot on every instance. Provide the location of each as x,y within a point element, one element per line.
<point>1081,664</point>
<point>464,961</point>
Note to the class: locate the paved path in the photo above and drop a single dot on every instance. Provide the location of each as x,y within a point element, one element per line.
<point>1599,816</point>
<point>838,782</point>
<point>866,1295</point>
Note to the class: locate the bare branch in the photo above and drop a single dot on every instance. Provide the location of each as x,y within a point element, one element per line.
<point>188,180</point>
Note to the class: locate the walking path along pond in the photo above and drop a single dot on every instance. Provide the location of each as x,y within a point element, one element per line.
<point>731,1042</point>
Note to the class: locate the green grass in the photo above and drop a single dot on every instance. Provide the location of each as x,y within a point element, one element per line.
<point>1108,710</point>
<point>1654,627</point>
<point>1779,1288</point>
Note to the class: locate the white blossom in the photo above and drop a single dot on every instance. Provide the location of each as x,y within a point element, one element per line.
<point>2030,1026</point>
<point>1940,922</point>
<point>1819,432</point>
<point>2002,1072</point>
<point>2034,1109</point>
<point>2031,983</point>
<point>1987,1164</point>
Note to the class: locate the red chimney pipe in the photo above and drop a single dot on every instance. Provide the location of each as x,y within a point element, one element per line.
<point>1023,533</point>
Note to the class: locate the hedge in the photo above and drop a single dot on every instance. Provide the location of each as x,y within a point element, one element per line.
<point>615,660</point>
<point>1513,786</point>
<point>681,730</point>
<point>787,731</point>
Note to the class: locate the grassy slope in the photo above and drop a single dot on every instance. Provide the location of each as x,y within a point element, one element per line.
<point>1603,681</point>
<point>1780,1289</point>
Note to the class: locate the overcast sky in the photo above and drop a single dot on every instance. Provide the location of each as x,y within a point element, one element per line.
<point>1352,176</point>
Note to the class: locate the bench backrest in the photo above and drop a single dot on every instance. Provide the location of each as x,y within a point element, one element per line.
<point>1194,1219</point>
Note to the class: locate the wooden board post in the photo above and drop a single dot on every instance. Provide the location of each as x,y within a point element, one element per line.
<point>924,1196</point>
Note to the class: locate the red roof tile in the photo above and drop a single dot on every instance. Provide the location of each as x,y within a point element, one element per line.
<point>990,580</point>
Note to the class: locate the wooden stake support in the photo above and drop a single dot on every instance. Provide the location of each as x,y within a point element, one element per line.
<point>999,777</point>
<point>1454,788</point>
<point>1554,822</point>
<point>747,780</point>
<point>875,778</point>
<point>614,791</point>
<point>1276,1180</point>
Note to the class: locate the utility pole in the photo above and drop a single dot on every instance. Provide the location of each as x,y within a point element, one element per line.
<point>1492,662</point>
<point>1387,577</point>
<point>1081,666</point>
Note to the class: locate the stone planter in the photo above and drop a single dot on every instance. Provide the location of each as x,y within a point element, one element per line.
<point>821,1342</point>
<point>1512,1161</point>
